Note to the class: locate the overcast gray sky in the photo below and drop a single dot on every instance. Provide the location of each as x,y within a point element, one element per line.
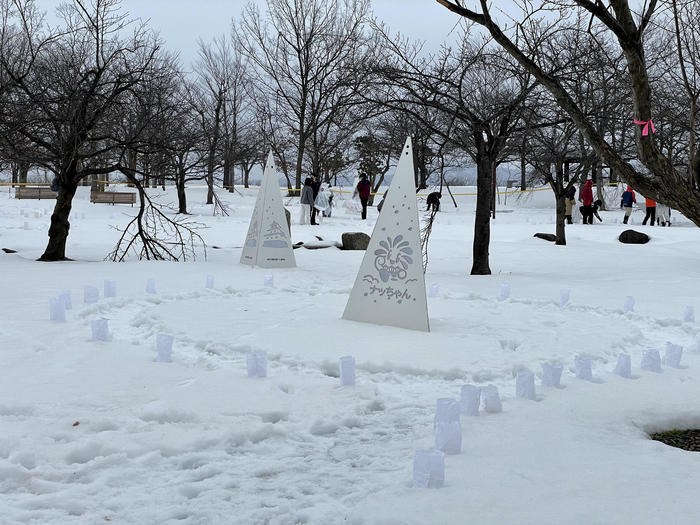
<point>182,22</point>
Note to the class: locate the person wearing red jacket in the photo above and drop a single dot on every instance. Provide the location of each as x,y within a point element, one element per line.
<point>363,190</point>
<point>651,212</point>
<point>587,199</point>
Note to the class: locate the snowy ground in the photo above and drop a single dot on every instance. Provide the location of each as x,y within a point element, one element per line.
<point>94,432</point>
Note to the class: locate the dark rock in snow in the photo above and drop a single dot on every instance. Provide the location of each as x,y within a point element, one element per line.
<point>546,236</point>
<point>355,241</point>
<point>7,250</point>
<point>633,237</point>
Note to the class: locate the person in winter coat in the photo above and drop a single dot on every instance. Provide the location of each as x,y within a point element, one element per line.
<point>596,206</point>
<point>433,201</point>
<point>329,195</point>
<point>316,187</point>
<point>663,213</point>
<point>307,202</point>
<point>570,199</point>
<point>587,200</point>
<point>651,212</point>
<point>321,204</point>
<point>628,198</point>
<point>363,190</point>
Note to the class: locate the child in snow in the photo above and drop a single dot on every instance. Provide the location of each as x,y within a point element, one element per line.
<point>321,203</point>
<point>664,214</point>
<point>628,198</point>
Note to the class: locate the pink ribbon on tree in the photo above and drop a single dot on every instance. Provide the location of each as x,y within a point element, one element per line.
<point>646,124</point>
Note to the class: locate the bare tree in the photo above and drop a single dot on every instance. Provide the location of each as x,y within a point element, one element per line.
<point>209,92</point>
<point>63,91</point>
<point>476,97</point>
<point>305,54</point>
<point>655,174</point>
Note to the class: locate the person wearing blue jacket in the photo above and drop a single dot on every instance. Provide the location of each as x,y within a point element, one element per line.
<point>628,198</point>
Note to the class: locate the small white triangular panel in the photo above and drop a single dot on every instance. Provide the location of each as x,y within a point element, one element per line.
<point>268,243</point>
<point>390,286</point>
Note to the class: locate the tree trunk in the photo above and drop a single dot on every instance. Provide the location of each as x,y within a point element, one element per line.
<point>297,175</point>
<point>58,231</point>
<point>23,171</point>
<point>560,196</point>
<point>181,195</point>
<point>482,219</point>
<point>523,168</point>
<point>210,178</point>
<point>246,175</point>
<point>227,172</point>
<point>600,184</point>
<point>561,226</point>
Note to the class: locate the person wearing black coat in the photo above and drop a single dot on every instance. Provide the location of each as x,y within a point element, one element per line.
<point>570,198</point>
<point>316,187</point>
<point>433,201</point>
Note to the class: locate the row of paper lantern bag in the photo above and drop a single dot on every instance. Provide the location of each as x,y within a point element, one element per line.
<point>429,465</point>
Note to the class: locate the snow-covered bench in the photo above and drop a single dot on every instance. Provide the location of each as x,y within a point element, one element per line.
<point>113,197</point>
<point>34,192</point>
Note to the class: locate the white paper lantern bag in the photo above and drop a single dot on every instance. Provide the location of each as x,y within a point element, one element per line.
<point>583,369</point>
<point>564,296</point>
<point>151,286</point>
<point>210,281</point>
<point>428,469</point>
<point>100,329</point>
<point>256,363</point>
<point>57,310</point>
<point>65,298</point>
<point>434,290</point>
<point>623,368</point>
<point>346,364</point>
<point>110,289</point>
<point>164,346</point>
<point>525,385</point>
<point>269,280</point>
<point>505,292</point>
<point>551,375</point>
<point>673,355</point>
<point>491,399</point>
<point>629,304</point>
<point>651,361</point>
<point>469,399</point>
<point>689,314</point>
<point>448,437</point>
<point>91,294</point>
<point>446,410</point>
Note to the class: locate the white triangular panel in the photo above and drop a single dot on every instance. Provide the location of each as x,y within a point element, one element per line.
<point>268,243</point>
<point>390,286</point>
